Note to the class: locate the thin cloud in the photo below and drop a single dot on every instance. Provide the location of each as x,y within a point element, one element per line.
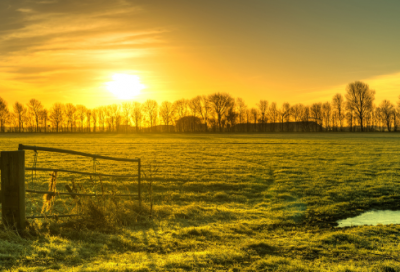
<point>53,45</point>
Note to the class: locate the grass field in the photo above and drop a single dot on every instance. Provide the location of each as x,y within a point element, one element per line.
<point>221,203</point>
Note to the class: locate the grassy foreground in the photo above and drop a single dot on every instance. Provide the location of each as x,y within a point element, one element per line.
<point>221,203</point>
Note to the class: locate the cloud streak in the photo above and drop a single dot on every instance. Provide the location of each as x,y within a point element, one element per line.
<point>48,45</point>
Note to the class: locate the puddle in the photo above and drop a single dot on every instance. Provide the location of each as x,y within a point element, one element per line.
<point>372,218</point>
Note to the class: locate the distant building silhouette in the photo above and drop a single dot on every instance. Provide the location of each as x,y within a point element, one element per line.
<point>309,126</point>
<point>190,124</point>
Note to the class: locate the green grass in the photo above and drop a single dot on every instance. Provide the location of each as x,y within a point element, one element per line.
<point>221,203</point>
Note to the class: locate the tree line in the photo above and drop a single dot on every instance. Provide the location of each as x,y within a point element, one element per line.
<point>218,112</point>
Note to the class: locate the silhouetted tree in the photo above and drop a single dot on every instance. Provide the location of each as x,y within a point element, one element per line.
<point>167,112</point>
<point>57,115</point>
<point>231,117</point>
<point>19,110</point>
<point>316,112</point>
<point>204,109</point>
<point>126,111</point>
<point>115,117</point>
<point>193,108</point>
<point>101,114</point>
<point>81,114</point>
<point>274,114</point>
<point>4,112</point>
<point>338,105</point>
<point>95,114</point>
<point>295,111</point>
<point>44,115</point>
<point>254,117</point>
<point>70,113</point>
<point>284,113</point>
<point>326,115</point>
<point>387,111</point>
<point>137,115</point>
<point>395,118</point>
<point>248,116</point>
<point>305,117</point>
<point>220,103</point>
<point>349,119</point>
<point>88,119</point>
<point>35,106</point>
<point>241,109</point>
<point>360,99</point>
<point>150,108</point>
<point>263,108</point>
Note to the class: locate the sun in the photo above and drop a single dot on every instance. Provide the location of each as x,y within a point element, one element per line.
<point>125,86</point>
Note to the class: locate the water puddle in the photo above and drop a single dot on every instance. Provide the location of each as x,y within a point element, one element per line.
<point>374,218</point>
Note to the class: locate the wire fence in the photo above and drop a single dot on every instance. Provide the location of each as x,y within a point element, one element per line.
<point>73,183</point>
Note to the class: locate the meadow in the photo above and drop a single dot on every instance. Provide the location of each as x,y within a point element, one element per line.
<point>258,202</point>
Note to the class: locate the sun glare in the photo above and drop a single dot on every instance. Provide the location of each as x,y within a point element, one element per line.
<point>125,86</point>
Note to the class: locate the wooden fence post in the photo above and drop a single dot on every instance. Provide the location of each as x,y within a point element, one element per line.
<point>12,165</point>
<point>140,198</point>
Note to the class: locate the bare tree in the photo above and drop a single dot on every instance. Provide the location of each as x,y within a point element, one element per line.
<point>101,114</point>
<point>167,112</point>
<point>338,105</point>
<point>387,111</point>
<point>114,114</point>
<point>150,108</point>
<point>181,108</point>
<point>295,111</point>
<point>204,109</point>
<point>13,122</point>
<point>395,119</point>
<point>30,121</point>
<point>231,117</point>
<point>360,99</point>
<point>57,115</point>
<point>263,108</point>
<point>95,114</point>
<point>19,110</point>
<point>316,112</point>
<point>254,116</point>
<point>126,111</point>
<point>4,113</point>
<point>35,106</point>
<point>137,115</point>
<point>88,118</point>
<point>193,105</point>
<point>70,113</point>
<point>44,116</point>
<point>220,102</point>
<point>194,108</point>
<point>81,113</point>
<point>284,113</point>
<point>305,117</point>
<point>241,109</point>
<point>350,118</point>
<point>109,117</point>
<point>326,115</point>
<point>248,117</point>
<point>273,114</point>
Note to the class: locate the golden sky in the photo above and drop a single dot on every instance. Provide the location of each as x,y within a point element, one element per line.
<point>283,51</point>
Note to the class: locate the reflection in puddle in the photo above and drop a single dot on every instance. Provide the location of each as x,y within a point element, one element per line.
<point>372,218</point>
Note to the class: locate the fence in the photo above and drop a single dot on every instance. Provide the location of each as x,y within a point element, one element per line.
<point>12,194</point>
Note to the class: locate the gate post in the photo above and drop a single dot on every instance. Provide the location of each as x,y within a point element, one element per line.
<point>12,164</point>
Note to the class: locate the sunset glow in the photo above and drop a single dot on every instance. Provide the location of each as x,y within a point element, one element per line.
<point>125,86</point>
<point>68,51</point>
